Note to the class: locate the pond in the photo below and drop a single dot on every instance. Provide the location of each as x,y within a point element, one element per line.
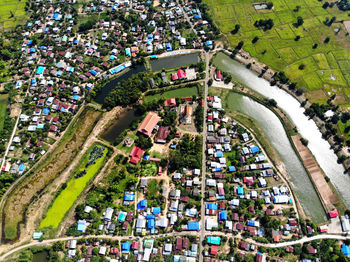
<point>123,122</point>
<point>274,131</point>
<point>113,83</point>
<point>319,147</point>
<point>174,61</point>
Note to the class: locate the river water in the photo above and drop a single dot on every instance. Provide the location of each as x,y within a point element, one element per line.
<point>307,128</point>
<point>274,131</point>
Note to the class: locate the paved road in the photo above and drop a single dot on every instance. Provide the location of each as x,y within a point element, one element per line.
<point>204,134</point>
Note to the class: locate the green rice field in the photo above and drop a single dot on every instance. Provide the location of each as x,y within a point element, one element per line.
<point>326,66</point>
<point>12,13</point>
<point>176,93</point>
<point>74,188</point>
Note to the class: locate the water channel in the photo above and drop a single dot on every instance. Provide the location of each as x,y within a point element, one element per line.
<point>307,128</point>
<point>174,61</point>
<point>274,131</point>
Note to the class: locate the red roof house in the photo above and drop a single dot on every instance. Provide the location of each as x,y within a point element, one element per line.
<point>148,124</point>
<point>334,213</point>
<point>135,155</point>
<point>181,74</point>
<point>170,102</point>
<point>213,251</point>
<point>218,76</point>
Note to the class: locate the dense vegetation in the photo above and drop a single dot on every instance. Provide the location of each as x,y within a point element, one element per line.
<point>188,153</point>
<point>128,92</point>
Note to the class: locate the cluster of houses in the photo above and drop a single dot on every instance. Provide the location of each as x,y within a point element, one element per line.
<point>183,248</point>
<point>239,172</point>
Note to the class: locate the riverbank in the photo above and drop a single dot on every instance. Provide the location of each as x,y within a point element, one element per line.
<point>267,73</point>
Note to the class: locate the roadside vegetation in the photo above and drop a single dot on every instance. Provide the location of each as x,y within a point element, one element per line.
<point>31,187</point>
<point>90,165</point>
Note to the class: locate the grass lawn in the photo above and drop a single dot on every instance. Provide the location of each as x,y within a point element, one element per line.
<point>69,195</point>
<point>12,13</point>
<point>149,170</point>
<point>279,48</point>
<point>3,105</point>
<point>181,92</point>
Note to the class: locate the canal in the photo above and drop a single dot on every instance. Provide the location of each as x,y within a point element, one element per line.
<point>274,131</point>
<point>319,147</point>
<point>174,61</point>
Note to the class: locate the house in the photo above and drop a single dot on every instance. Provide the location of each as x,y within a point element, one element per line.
<point>260,257</point>
<point>311,250</point>
<point>149,123</point>
<point>163,133</point>
<point>108,214</point>
<point>346,250</point>
<point>213,251</point>
<point>170,102</point>
<point>135,154</point>
<point>214,240</point>
<point>218,75</point>
<point>181,74</point>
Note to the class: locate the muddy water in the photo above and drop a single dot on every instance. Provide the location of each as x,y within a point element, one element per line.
<point>55,163</point>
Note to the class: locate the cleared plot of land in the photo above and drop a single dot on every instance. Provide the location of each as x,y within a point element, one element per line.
<point>279,48</point>
<point>75,186</point>
<point>12,13</point>
<point>47,171</point>
<point>3,106</point>
<point>181,92</point>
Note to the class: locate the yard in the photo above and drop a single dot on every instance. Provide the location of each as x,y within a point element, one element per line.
<point>74,187</point>
<point>176,93</point>
<point>11,13</point>
<point>323,62</point>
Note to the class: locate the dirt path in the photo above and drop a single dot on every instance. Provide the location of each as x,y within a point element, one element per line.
<point>328,198</point>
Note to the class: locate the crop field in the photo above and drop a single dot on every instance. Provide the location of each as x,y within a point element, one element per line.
<point>11,13</point>
<point>47,170</point>
<point>176,93</point>
<point>3,105</point>
<point>74,187</point>
<point>309,60</point>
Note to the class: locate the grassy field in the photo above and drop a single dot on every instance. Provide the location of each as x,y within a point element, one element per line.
<point>12,13</point>
<point>69,195</point>
<point>47,170</point>
<point>3,105</point>
<point>326,67</point>
<point>177,93</point>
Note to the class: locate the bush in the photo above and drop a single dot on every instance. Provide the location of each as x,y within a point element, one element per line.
<point>304,141</point>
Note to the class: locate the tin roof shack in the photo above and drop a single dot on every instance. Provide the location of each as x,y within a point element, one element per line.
<point>163,133</point>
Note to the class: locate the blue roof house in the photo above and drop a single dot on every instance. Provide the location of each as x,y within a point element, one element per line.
<point>212,206</point>
<point>214,240</point>
<point>254,149</point>
<point>126,247</point>
<point>156,210</point>
<point>129,197</point>
<point>346,250</point>
<point>128,51</point>
<point>81,225</point>
<point>223,216</point>
<point>231,169</point>
<point>142,204</point>
<point>240,191</point>
<point>193,226</point>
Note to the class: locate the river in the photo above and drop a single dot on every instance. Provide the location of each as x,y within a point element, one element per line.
<point>319,147</point>
<point>274,131</point>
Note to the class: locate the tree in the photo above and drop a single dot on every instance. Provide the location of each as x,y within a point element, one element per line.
<point>301,66</point>
<point>326,41</point>
<point>297,38</point>
<point>304,141</point>
<point>314,46</point>
<point>143,142</point>
<point>299,22</point>
<point>255,39</point>
<point>236,29</point>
